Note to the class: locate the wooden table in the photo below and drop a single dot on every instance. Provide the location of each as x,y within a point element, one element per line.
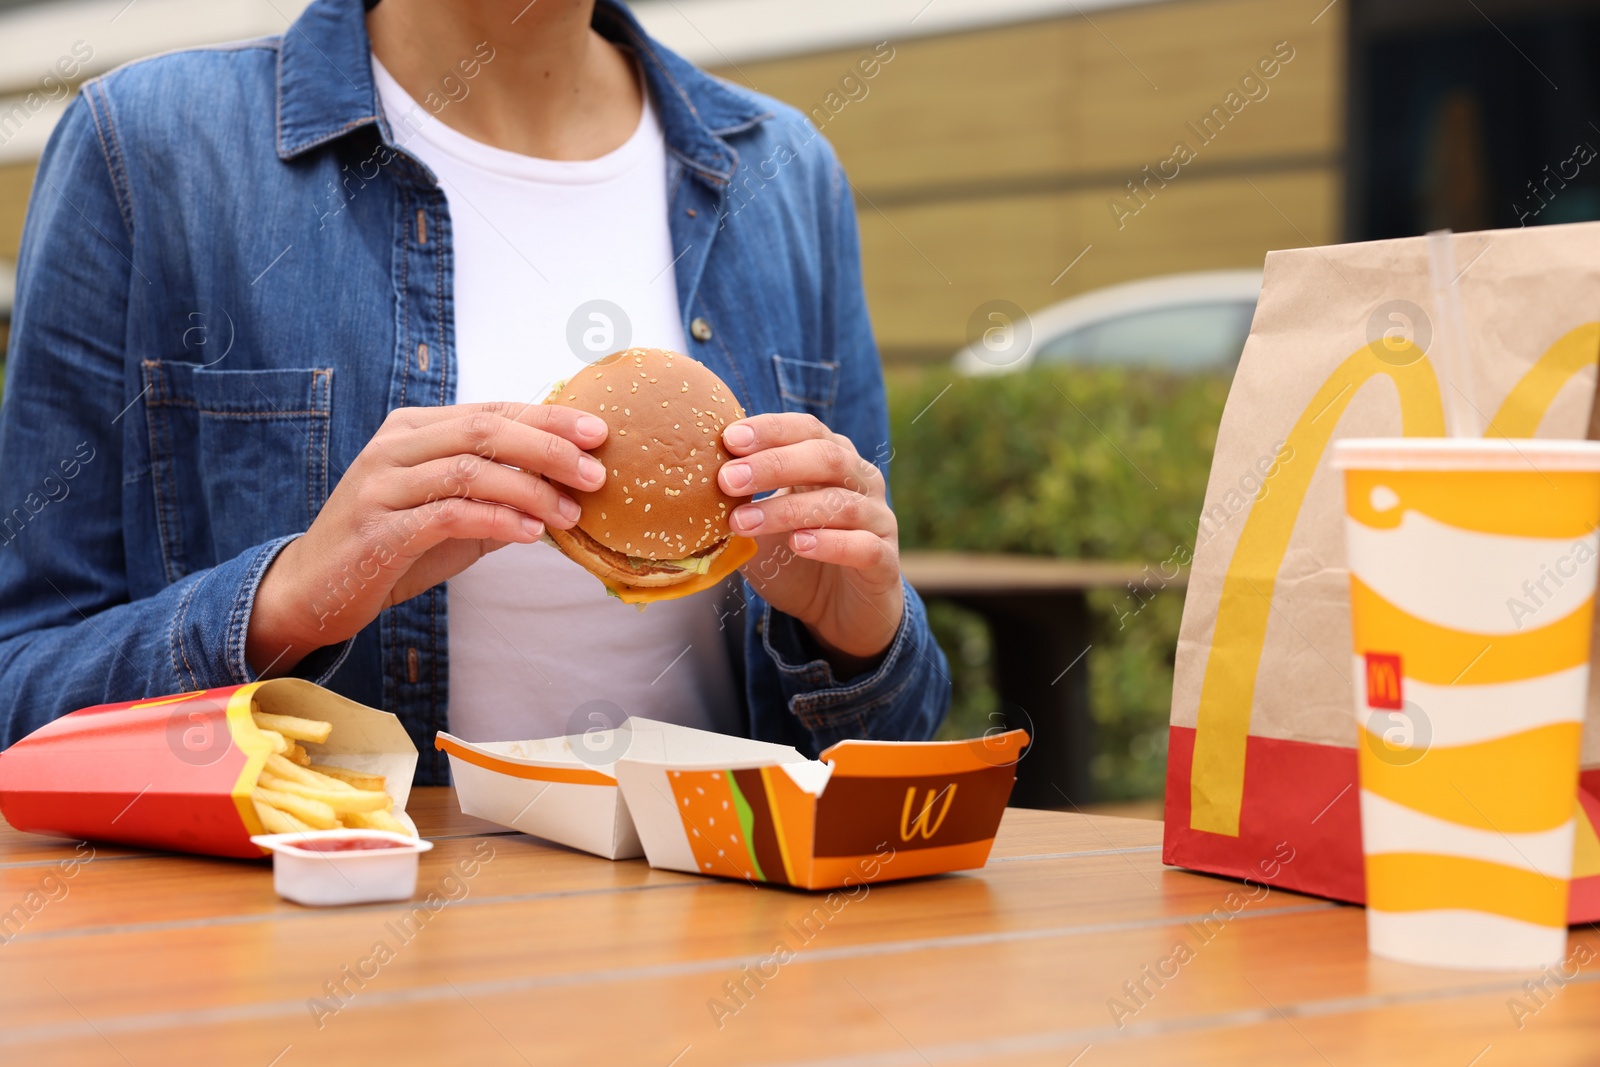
<point>549,956</point>
<point>1038,615</point>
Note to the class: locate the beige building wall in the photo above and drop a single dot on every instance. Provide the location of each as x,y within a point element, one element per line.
<point>984,162</point>
<point>15,182</point>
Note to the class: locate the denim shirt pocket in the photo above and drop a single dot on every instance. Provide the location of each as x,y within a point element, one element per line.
<point>807,386</point>
<point>238,457</point>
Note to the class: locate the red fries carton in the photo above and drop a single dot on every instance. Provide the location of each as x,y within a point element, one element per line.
<point>176,772</point>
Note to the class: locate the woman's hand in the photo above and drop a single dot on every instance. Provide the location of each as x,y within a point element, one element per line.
<point>830,552</point>
<point>433,491</point>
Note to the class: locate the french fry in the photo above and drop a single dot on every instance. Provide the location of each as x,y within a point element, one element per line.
<point>292,794</point>
<point>274,821</point>
<point>293,727</point>
<point>279,767</point>
<point>279,745</point>
<point>358,779</point>
<point>312,812</point>
<point>376,820</point>
<point>341,801</point>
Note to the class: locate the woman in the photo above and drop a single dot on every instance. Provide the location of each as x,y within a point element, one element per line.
<point>286,309</point>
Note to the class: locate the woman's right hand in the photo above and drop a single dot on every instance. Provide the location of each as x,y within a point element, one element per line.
<point>433,491</point>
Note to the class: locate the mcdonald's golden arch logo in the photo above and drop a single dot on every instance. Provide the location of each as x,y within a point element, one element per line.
<point>910,827</point>
<point>1227,694</point>
<point>1383,680</point>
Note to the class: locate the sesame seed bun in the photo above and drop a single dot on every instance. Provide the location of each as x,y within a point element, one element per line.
<point>661,501</point>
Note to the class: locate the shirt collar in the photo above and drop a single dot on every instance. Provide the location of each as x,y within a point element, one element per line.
<point>325,87</point>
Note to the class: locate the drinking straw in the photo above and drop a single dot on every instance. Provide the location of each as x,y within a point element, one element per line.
<point>1452,356</point>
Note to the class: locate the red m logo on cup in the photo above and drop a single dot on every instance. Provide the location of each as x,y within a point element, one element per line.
<point>1383,680</point>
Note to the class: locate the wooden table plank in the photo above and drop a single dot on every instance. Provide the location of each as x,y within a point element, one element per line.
<point>578,935</point>
<point>554,956</point>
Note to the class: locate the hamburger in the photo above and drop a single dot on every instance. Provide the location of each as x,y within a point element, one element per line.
<point>660,521</point>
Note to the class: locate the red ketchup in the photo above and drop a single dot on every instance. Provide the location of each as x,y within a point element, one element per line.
<point>346,844</point>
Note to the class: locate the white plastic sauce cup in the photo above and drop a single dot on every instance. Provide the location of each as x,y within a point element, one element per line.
<point>320,878</point>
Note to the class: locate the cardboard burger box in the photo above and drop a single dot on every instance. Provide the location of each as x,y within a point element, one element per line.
<point>867,811</point>
<point>564,789</point>
<point>176,772</point>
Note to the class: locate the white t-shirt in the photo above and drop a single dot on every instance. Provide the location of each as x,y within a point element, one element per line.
<point>534,639</point>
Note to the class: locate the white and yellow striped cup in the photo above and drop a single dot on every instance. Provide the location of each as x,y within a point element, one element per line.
<point>1472,580</point>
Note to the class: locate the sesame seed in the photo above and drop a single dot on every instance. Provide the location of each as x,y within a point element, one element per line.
<point>597,374</point>
<point>647,507</point>
<point>628,500</point>
<point>623,432</point>
<point>627,411</point>
<point>602,514</point>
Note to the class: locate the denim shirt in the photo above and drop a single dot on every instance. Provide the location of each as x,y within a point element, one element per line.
<point>230,275</point>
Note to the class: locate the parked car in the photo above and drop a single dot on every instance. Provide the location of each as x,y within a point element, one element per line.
<point>1191,322</point>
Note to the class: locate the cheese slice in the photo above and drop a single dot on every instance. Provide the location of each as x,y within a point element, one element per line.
<point>740,551</point>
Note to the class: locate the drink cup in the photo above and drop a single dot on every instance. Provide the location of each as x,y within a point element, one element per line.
<point>1472,580</point>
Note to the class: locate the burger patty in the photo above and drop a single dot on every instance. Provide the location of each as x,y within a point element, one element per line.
<point>635,564</point>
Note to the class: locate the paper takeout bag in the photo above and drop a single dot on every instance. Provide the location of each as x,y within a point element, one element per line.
<point>176,772</point>
<point>1261,772</point>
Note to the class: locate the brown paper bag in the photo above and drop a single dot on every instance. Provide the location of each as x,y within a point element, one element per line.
<point>1261,776</point>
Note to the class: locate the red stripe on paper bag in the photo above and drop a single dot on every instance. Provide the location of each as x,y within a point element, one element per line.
<point>1305,797</point>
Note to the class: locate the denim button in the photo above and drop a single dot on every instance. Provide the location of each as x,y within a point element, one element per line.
<point>701,329</point>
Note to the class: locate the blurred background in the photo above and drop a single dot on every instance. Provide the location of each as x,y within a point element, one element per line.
<point>1064,208</point>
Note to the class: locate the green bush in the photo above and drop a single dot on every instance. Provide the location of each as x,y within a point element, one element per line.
<point>1105,464</point>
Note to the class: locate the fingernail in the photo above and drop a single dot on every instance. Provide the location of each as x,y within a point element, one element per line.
<point>534,527</point>
<point>739,436</point>
<point>804,540</point>
<point>736,475</point>
<point>568,507</point>
<point>591,469</point>
<point>590,426</point>
<point>747,518</point>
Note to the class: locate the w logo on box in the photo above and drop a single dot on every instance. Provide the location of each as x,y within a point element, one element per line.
<point>1383,680</point>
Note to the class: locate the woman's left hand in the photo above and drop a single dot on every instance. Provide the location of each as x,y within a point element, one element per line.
<point>829,545</point>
